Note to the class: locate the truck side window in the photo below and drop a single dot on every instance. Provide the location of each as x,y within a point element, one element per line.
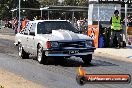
<point>44,27</point>
<point>40,28</point>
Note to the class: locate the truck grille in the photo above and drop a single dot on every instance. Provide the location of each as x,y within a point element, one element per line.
<point>72,44</point>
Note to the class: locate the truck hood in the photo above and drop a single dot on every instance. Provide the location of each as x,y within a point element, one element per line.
<point>60,35</point>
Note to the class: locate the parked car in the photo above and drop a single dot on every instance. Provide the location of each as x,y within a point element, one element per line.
<point>53,38</point>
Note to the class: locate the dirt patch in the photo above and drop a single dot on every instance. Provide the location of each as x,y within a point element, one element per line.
<point>8,37</point>
<point>7,33</point>
<point>106,55</point>
<point>10,80</point>
<point>5,49</point>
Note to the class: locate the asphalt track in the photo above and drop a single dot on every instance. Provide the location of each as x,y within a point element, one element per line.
<point>62,74</point>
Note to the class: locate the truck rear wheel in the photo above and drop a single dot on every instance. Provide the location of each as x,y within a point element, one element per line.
<point>87,59</point>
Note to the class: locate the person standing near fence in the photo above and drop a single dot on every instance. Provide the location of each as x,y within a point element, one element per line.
<point>24,22</point>
<point>15,23</point>
<point>116,30</point>
<point>85,26</point>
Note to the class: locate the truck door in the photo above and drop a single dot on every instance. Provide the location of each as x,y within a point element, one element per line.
<point>24,38</point>
<point>31,38</point>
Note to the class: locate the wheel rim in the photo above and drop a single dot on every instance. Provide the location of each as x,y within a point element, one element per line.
<point>39,54</point>
<point>20,50</point>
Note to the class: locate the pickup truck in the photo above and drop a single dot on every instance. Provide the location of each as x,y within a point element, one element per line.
<point>53,38</point>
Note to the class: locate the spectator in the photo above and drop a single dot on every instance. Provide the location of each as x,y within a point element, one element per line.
<point>15,23</point>
<point>116,32</point>
<point>75,22</point>
<point>24,22</point>
<point>85,26</point>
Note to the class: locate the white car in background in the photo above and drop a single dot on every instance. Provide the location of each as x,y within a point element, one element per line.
<point>53,38</point>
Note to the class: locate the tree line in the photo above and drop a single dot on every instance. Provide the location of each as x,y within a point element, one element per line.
<point>7,5</point>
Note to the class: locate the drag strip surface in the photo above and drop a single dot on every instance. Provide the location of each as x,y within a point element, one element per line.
<point>62,74</point>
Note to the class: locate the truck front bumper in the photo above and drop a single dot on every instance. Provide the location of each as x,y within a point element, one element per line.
<point>67,52</point>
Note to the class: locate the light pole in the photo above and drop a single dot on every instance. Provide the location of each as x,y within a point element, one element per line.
<point>19,17</point>
<point>98,15</point>
<point>13,13</point>
<point>125,12</point>
<point>126,19</point>
<point>41,13</point>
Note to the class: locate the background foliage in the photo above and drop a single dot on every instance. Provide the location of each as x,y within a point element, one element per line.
<point>7,5</point>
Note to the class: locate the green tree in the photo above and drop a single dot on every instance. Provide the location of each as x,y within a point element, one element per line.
<point>76,2</point>
<point>7,5</point>
<point>48,2</point>
<point>30,4</point>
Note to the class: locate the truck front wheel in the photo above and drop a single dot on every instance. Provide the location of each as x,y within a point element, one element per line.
<point>22,54</point>
<point>42,59</point>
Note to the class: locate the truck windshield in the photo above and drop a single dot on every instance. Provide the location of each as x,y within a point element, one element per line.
<point>47,26</point>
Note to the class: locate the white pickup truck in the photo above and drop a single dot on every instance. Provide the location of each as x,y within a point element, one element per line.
<point>53,38</point>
